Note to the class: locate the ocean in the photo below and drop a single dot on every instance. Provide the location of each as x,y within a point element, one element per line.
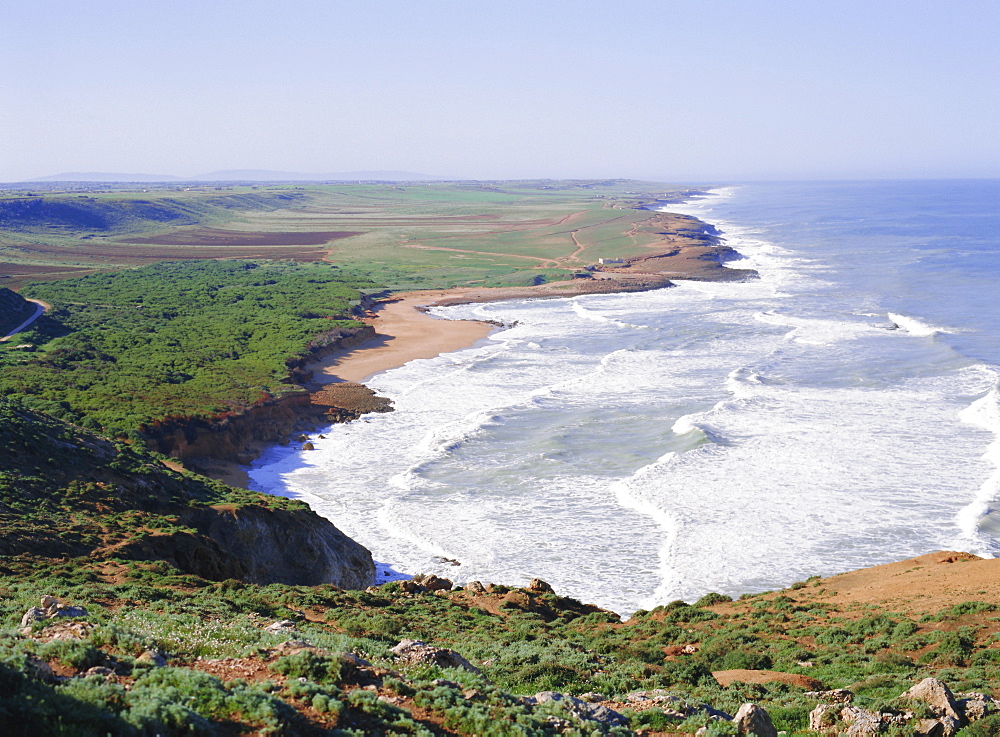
<point>839,412</point>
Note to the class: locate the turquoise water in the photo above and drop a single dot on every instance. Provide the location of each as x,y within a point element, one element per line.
<point>840,411</point>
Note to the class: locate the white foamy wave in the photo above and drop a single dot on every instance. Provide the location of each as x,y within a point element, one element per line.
<point>915,326</point>
<point>395,524</point>
<point>687,425</point>
<point>448,438</point>
<point>744,383</point>
<point>813,331</point>
<point>983,413</point>
<point>589,314</point>
<point>628,495</point>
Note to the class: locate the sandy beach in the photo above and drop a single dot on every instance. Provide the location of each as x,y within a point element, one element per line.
<point>404,334</point>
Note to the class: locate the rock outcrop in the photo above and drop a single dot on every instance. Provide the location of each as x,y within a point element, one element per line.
<point>936,695</point>
<point>415,651</point>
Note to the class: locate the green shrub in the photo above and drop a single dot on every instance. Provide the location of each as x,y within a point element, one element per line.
<point>307,664</point>
<point>77,654</point>
<point>685,671</point>
<point>744,659</point>
<point>987,727</point>
<point>712,598</point>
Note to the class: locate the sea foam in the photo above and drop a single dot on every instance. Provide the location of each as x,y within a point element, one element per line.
<point>632,449</point>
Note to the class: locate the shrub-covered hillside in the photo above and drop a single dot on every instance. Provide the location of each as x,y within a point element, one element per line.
<point>119,351</point>
<point>66,492</point>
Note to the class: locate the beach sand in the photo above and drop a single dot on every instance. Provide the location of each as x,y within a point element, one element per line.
<point>403,334</point>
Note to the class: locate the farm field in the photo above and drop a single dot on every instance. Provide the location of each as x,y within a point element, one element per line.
<point>402,235</point>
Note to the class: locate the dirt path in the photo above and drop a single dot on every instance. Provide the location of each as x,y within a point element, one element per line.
<point>39,310</point>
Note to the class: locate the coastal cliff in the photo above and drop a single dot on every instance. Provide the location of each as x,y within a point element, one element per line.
<point>69,493</point>
<point>260,545</point>
<point>233,436</point>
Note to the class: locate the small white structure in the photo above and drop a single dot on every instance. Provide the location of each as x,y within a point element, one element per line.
<point>610,260</point>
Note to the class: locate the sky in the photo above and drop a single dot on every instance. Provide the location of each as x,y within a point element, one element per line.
<point>693,91</point>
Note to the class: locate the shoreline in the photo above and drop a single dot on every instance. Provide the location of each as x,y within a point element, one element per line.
<point>404,331</point>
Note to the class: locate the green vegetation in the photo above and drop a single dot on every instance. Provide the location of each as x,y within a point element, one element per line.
<point>119,352</point>
<point>65,491</point>
<point>227,673</point>
<point>403,236</point>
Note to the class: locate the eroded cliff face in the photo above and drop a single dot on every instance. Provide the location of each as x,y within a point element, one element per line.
<point>260,545</point>
<point>231,437</point>
<point>68,493</point>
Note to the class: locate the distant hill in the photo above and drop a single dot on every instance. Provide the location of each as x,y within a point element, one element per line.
<point>241,175</point>
<point>263,175</point>
<point>100,176</point>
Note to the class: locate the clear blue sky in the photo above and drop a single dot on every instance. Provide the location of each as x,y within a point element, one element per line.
<point>673,91</point>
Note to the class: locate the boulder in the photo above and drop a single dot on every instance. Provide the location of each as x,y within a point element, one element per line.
<point>752,719</point>
<point>943,727</point>
<point>410,587</point>
<point>63,610</point>
<point>475,587</point>
<point>353,661</point>
<point>975,706</point>
<point>834,696</point>
<point>823,717</point>
<point>538,586</point>
<point>153,657</point>
<point>33,615</point>
<point>936,695</point>
<point>282,626</point>
<point>579,708</point>
<point>433,583</point>
<point>290,647</point>
<point>48,601</point>
<point>862,721</point>
<point>949,726</point>
<point>415,651</point>
<point>308,446</point>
